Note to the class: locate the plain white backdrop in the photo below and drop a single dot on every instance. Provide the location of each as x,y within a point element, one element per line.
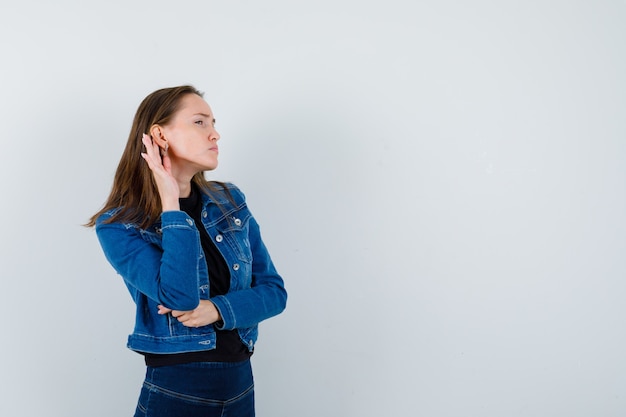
<point>441,184</point>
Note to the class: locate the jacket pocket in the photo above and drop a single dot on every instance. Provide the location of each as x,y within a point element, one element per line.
<point>234,231</point>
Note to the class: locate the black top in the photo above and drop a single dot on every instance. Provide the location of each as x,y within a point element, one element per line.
<point>229,346</point>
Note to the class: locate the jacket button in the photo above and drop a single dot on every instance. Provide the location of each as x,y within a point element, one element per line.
<point>238,222</point>
<point>219,238</point>
<point>236,267</point>
<point>189,222</point>
<point>204,214</point>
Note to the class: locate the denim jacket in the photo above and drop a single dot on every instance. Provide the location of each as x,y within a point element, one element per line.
<point>165,265</point>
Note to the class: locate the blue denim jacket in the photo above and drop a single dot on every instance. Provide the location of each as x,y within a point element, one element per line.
<point>165,264</point>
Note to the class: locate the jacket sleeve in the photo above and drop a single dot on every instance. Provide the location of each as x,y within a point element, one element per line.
<point>265,298</point>
<point>167,275</point>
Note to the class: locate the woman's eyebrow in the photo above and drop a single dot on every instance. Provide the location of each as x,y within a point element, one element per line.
<point>208,116</point>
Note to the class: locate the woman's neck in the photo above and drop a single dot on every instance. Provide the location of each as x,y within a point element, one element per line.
<point>184,189</point>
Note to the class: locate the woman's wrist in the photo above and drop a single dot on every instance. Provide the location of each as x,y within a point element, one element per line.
<point>173,205</point>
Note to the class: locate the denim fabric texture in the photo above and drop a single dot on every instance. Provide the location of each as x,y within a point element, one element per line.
<point>165,264</point>
<point>207,389</point>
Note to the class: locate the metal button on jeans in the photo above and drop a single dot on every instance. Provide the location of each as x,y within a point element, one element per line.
<point>219,238</point>
<point>236,267</point>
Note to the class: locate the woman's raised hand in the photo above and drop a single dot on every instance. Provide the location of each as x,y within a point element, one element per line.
<point>162,171</point>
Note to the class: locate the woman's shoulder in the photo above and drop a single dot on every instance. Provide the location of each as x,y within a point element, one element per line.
<point>226,192</point>
<point>222,185</point>
<point>106,215</point>
<point>121,217</point>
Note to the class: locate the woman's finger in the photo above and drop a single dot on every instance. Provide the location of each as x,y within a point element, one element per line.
<point>152,150</point>
<point>164,310</point>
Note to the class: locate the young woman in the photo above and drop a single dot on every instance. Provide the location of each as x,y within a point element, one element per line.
<point>192,258</point>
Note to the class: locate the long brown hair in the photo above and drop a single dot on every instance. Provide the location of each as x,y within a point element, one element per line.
<point>134,191</point>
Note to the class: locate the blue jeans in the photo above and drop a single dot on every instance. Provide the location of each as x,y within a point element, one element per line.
<point>198,389</point>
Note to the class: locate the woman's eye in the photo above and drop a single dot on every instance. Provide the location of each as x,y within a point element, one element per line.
<point>199,122</point>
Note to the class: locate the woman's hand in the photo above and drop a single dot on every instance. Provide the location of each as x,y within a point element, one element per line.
<point>161,168</point>
<point>206,313</point>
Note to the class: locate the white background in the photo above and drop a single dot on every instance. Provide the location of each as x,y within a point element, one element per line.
<point>441,184</point>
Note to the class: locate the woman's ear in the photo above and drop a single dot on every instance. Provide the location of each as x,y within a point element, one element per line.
<point>158,136</point>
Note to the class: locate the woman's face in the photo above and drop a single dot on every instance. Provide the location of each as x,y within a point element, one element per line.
<point>192,138</point>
